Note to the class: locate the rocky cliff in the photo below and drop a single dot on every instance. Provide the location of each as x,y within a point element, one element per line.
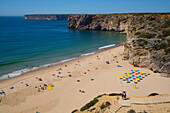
<point>46,17</point>
<point>148,36</point>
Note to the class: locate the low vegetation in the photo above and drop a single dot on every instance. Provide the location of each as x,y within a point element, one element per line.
<point>166,24</point>
<point>142,42</point>
<point>166,33</point>
<point>88,105</point>
<point>74,111</point>
<point>147,35</point>
<point>105,105</point>
<point>160,46</point>
<point>115,94</point>
<point>137,33</point>
<point>95,100</point>
<point>142,27</point>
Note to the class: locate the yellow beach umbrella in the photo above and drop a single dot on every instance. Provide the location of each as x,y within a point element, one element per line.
<point>134,68</point>
<point>134,80</point>
<point>120,76</point>
<point>49,87</point>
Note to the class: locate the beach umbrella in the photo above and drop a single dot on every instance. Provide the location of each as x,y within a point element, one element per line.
<point>107,62</point>
<point>69,75</point>
<point>134,68</point>
<point>77,80</point>
<point>49,87</point>
<point>26,84</point>
<point>92,79</point>
<point>118,66</point>
<point>40,79</point>
<point>2,90</point>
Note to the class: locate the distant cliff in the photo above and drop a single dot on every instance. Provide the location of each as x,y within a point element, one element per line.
<point>46,17</point>
<point>148,36</point>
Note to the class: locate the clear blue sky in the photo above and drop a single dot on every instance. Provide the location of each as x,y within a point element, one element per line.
<point>21,7</point>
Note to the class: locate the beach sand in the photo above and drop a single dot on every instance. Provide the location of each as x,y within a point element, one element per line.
<point>65,95</point>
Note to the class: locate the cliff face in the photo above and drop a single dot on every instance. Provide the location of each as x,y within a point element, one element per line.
<point>148,36</point>
<point>46,17</point>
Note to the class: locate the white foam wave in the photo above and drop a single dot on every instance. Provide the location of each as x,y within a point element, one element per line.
<point>103,47</point>
<point>86,54</point>
<point>68,60</point>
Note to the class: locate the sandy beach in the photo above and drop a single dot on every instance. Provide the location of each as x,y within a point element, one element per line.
<point>65,95</point>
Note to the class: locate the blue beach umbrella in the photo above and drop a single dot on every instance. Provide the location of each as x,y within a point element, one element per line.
<point>118,66</point>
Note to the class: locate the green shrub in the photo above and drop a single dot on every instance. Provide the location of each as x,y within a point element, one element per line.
<point>104,105</point>
<point>153,94</point>
<point>115,94</point>
<point>100,95</point>
<point>137,33</point>
<point>163,59</point>
<point>147,35</point>
<point>131,111</point>
<point>142,27</point>
<point>142,42</point>
<point>166,33</point>
<point>161,46</point>
<point>74,111</point>
<point>166,24</point>
<point>153,57</point>
<point>153,25</point>
<point>134,28</point>
<point>167,50</point>
<point>159,36</point>
<point>88,105</point>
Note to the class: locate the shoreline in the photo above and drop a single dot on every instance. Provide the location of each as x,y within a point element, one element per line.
<point>65,95</point>
<point>45,66</point>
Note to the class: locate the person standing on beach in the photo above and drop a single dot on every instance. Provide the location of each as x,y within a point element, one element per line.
<point>122,94</point>
<point>125,95</point>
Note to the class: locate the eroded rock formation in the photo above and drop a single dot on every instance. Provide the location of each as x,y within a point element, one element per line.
<point>148,36</point>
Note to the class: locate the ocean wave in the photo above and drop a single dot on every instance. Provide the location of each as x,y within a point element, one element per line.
<point>68,60</point>
<point>103,47</point>
<point>86,54</point>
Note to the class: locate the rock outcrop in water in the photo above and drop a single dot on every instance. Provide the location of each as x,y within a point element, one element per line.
<point>148,36</point>
<point>46,17</point>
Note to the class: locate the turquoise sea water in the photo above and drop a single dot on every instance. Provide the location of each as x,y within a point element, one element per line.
<point>28,43</point>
